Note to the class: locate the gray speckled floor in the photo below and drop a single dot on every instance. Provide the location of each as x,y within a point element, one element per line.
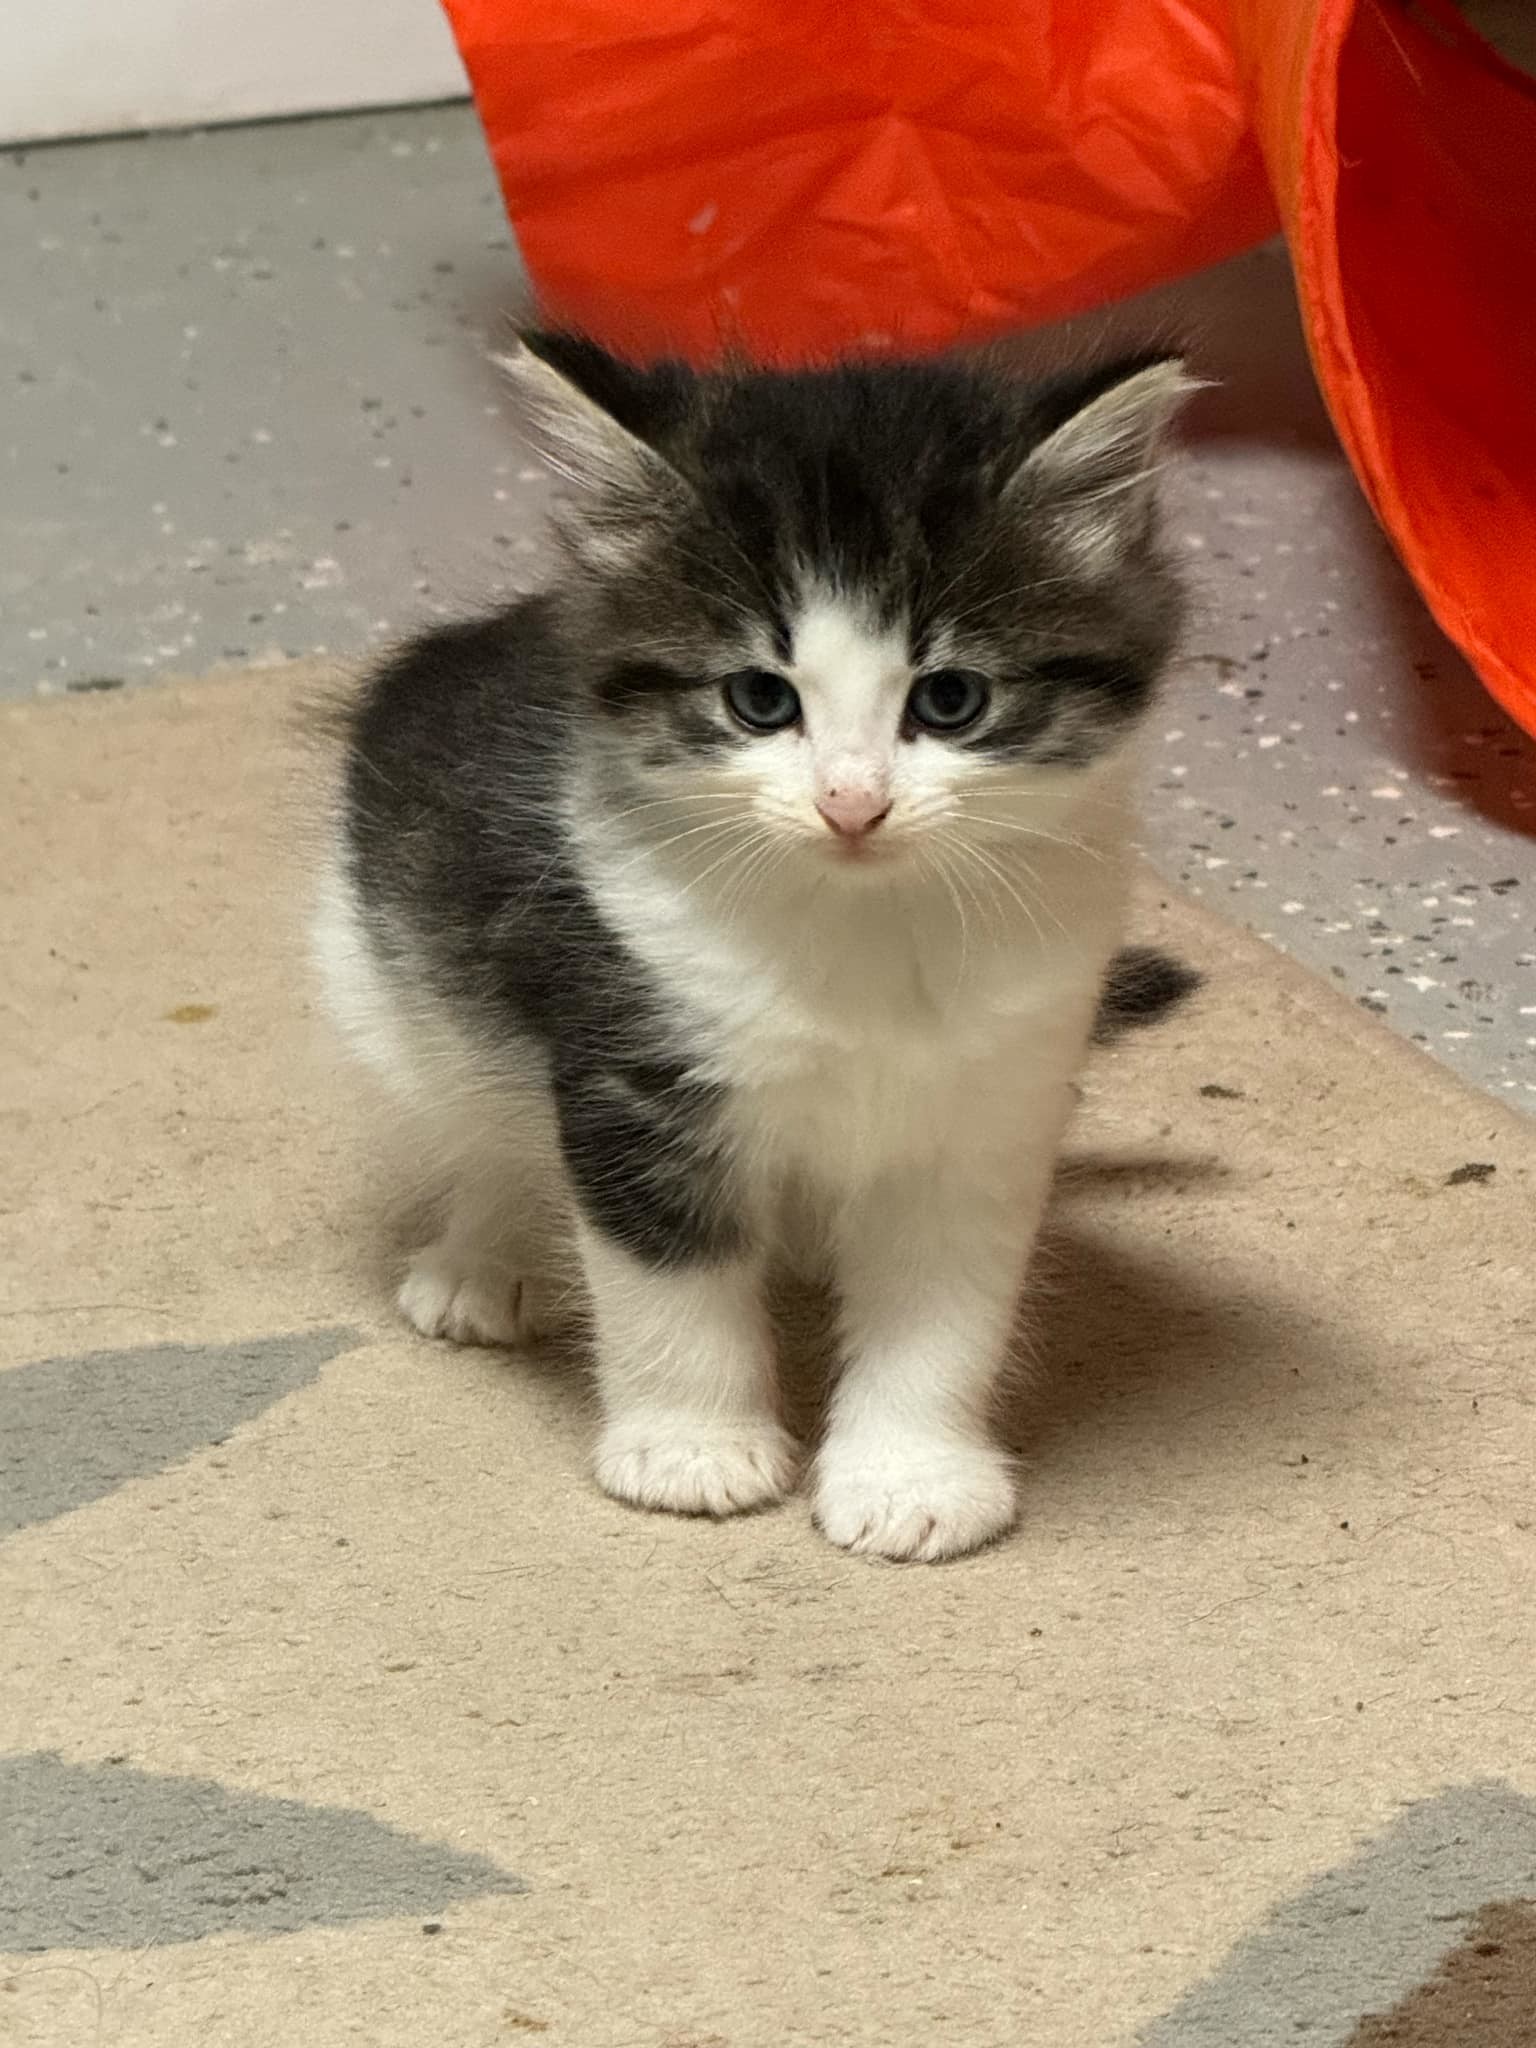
<point>245,413</point>
<point>247,410</point>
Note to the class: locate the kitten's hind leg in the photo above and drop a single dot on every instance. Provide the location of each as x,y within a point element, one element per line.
<point>465,1287</point>
<point>491,1275</point>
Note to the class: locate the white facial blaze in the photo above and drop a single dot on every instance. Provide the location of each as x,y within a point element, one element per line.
<point>852,675</point>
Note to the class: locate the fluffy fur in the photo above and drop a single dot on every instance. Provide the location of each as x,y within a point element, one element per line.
<point>768,866</point>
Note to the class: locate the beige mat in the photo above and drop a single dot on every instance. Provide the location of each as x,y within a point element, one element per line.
<point>337,1706</point>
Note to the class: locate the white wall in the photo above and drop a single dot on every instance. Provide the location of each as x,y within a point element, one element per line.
<point>97,67</point>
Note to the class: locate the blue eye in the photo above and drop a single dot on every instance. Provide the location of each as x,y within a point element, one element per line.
<point>947,699</point>
<point>761,701</point>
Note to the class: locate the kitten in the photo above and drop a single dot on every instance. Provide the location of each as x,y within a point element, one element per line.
<point>772,860</point>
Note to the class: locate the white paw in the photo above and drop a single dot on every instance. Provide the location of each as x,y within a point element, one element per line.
<point>914,1500</point>
<point>693,1466</point>
<point>468,1304</point>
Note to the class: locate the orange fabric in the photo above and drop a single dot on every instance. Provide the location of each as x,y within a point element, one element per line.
<point>809,176</point>
<point>802,178</point>
<point>1403,154</point>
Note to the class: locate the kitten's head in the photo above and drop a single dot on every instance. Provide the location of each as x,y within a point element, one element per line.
<point>865,605</point>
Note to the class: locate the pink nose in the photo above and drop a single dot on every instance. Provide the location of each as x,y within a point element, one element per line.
<point>853,812</point>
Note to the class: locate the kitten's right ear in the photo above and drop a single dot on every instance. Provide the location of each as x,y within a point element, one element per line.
<point>1090,476</point>
<point>584,407</point>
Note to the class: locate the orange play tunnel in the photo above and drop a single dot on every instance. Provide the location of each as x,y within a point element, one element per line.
<point>802,178</point>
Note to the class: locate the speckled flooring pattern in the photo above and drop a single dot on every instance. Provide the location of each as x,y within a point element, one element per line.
<point>245,413</point>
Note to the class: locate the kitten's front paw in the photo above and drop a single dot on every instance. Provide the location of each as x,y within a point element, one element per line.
<point>442,1296</point>
<point>914,1501</point>
<point>691,1466</point>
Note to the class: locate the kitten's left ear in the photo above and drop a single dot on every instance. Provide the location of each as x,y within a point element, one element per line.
<point>575,394</point>
<point>1092,476</point>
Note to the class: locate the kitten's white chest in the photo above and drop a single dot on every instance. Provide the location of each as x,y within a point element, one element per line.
<point>848,1052</point>
<point>848,1116</point>
<point>859,1031</point>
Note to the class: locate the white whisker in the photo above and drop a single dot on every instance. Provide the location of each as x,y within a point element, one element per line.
<point>1033,832</point>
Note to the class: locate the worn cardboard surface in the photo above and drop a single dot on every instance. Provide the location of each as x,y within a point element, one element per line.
<point>317,1636</point>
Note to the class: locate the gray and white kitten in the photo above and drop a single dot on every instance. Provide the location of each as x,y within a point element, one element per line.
<point>769,863</point>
